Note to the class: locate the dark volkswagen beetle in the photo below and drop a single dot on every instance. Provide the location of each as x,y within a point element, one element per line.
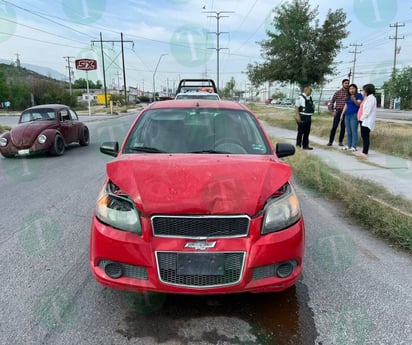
<point>47,128</point>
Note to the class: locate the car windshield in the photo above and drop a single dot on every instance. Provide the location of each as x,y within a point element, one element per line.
<point>37,115</point>
<point>196,130</point>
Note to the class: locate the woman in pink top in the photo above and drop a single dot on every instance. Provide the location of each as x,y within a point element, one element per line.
<point>367,117</point>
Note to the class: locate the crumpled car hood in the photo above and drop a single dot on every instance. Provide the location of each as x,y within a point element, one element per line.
<point>24,135</point>
<point>198,184</point>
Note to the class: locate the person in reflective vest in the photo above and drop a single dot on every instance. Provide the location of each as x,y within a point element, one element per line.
<point>304,110</point>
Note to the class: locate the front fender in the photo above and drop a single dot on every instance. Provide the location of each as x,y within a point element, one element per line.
<point>50,133</point>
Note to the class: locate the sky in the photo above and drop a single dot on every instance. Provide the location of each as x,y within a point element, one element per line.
<point>167,40</point>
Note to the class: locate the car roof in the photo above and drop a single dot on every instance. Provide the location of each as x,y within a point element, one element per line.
<point>53,106</point>
<point>197,103</point>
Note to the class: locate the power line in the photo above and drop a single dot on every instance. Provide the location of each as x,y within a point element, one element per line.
<point>69,67</point>
<point>396,49</point>
<point>217,15</point>
<point>355,52</point>
<point>104,72</point>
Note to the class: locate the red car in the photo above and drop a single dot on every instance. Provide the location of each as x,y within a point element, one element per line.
<point>197,201</point>
<point>47,128</point>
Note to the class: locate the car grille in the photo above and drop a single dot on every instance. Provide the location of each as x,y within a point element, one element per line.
<point>200,226</point>
<point>231,269</point>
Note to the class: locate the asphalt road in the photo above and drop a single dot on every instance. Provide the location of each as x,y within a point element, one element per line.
<point>355,289</point>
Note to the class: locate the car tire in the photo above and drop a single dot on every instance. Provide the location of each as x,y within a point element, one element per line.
<point>85,139</point>
<point>58,146</point>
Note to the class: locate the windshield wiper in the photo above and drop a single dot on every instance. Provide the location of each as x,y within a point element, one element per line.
<point>210,151</point>
<point>147,149</point>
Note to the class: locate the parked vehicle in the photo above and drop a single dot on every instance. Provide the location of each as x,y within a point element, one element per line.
<point>197,201</point>
<point>197,89</point>
<point>47,128</point>
<point>198,95</point>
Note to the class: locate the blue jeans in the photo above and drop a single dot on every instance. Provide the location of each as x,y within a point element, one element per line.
<point>351,124</point>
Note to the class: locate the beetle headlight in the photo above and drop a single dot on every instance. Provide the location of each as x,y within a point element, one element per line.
<point>117,210</point>
<point>41,138</point>
<point>3,142</point>
<point>281,212</point>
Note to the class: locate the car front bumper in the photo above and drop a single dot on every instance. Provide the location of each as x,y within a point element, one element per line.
<point>144,263</point>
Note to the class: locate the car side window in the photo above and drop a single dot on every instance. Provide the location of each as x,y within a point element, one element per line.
<point>73,115</point>
<point>65,116</point>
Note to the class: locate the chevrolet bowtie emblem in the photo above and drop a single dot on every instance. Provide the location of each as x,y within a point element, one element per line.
<point>200,245</point>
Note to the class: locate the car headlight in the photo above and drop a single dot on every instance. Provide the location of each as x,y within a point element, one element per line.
<point>281,212</point>
<point>117,210</point>
<point>41,138</point>
<point>3,142</point>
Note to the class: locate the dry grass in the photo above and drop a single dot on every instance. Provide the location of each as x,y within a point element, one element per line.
<point>383,213</point>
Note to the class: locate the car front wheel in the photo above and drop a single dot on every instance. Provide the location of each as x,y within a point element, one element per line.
<point>58,146</point>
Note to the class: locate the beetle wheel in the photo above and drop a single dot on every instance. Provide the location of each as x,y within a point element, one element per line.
<point>58,146</point>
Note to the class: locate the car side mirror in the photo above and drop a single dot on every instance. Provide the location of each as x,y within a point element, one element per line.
<point>110,148</point>
<point>284,150</point>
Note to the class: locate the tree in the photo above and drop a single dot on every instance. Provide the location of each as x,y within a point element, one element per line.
<point>300,50</point>
<point>228,90</point>
<point>400,86</point>
<point>81,83</point>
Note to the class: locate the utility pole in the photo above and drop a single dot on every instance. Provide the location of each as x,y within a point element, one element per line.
<point>69,67</point>
<point>217,15</point>
<point>123,65</point>
<point>355,52</point>
<point>396,49</point>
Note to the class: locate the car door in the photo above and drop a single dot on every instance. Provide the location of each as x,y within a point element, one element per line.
<point>77,126</point>
<point>66,126</point>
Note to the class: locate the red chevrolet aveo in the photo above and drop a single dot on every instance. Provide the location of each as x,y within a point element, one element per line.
<point>197,201</point>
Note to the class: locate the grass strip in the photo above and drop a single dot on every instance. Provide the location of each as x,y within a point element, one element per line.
<point>366,203</point>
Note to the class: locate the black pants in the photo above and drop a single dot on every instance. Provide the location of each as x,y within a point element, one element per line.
<point>365,134</point>
<point>302,138</point>
<point>335,125</point>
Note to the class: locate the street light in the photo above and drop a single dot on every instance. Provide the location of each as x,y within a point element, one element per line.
<point>154,73</point>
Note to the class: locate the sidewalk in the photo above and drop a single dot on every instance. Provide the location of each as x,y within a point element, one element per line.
<point>393,173</point>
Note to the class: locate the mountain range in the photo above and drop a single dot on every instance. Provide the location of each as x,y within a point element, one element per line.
<point>46,71</point>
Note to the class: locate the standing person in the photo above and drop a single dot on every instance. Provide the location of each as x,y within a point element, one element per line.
<point>304,109</point>
<point>350,116</point>
<point>335,107</point>
<point>367,117</point>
